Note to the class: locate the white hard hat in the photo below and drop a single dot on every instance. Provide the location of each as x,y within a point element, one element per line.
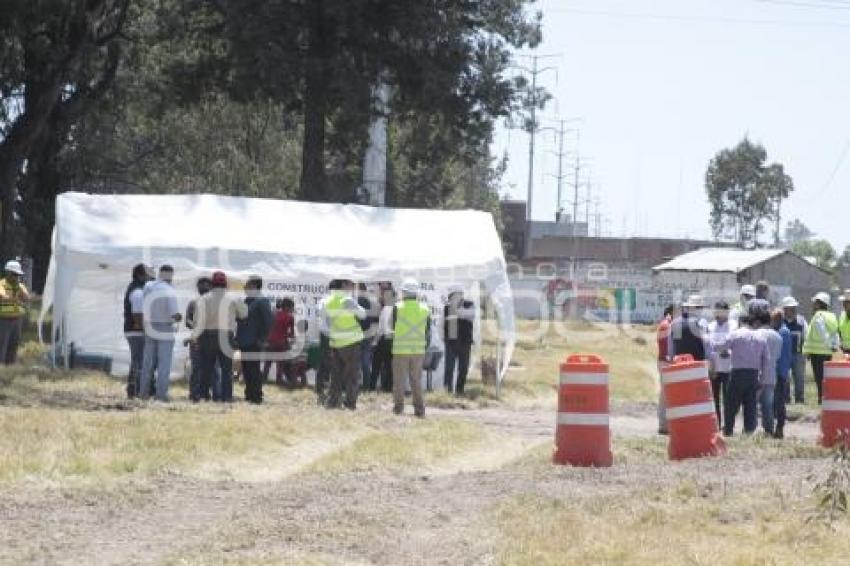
<point>410,286</point>
<point>694,301</point>
<point>748,290</point>
<point>790,302</point>
<point>14,266</point>
<point>822,297</point>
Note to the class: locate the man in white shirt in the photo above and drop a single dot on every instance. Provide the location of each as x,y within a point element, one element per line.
<point>720,359</point>
<point>161,313</point>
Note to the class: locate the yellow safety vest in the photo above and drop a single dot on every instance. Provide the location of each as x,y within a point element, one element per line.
<point>410,328</point>
<point>344,327</point>
<point>814,343</point>
<point>12,299</point>
<point>844,330</point>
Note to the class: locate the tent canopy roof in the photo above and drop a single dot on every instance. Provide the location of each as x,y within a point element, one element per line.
<point>110,225</point>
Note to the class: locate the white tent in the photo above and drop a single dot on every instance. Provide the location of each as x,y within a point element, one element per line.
<point>296,246</point>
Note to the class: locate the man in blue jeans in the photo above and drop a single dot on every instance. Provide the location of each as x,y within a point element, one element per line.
<point>160,303</point>
<point>749,354</point>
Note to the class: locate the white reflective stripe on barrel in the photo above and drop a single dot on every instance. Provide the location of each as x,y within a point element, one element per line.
<point>584,378</point>
<point>691,374</point>
<point>674,413</point>
<point>587,419</point>
<point>836,405</point>
<point>836,372</point>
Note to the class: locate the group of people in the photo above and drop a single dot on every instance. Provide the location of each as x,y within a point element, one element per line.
<point>756,352</point>
<point>355,340</point>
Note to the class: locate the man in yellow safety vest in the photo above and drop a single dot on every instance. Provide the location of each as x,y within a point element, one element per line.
<point>410,328</point>
<point>342,320</point>
<point>821,338</point>
<point>13,307</point>
<point>844,322</point>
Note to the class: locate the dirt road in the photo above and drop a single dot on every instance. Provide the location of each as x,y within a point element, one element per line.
<point>441,515</point>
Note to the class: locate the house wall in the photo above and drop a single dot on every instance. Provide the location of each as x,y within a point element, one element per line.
<point>798,276</point>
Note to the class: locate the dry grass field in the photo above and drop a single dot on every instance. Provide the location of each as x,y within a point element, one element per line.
<point>87,477</point>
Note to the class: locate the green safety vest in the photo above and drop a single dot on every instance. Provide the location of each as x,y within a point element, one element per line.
<point>844,330</point>
<point>410,328</point>
<point>814,344</point>
<point>11,303</point>
<point>344,327</point>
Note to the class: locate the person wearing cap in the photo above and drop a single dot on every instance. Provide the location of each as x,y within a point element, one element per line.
<point>748,293</point>
<point>720,361</point>
<point>750,360</point>
<point>458,336</point>
<point>215,328</point>
<point>342,320</point>
<point>134,329</point>
<point>797,325</point>
<point>14,297</point>
<point>410,324</point>
<point>688,331</point>
<point>821,338</point>
<point>844,322</point>
<point>160,302</point>
<point>203,285</point>
<point>252,331</point>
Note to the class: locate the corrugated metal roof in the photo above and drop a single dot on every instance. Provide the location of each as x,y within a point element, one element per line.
<point>719,259</point>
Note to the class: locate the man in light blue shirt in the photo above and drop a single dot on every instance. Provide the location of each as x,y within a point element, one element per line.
<point>160,315</point>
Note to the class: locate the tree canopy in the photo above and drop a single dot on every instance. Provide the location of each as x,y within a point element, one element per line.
<point>745,192</point>
<point>265,98</point>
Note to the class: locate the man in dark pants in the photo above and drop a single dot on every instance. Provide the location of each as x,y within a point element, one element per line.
<point>343,316</point>
<point>323,372</point>
<point>382,358</point>
<point>750,360</point>
<point>215,324</point>
<point>458,317</point>
<point>721,364</point>
<point>821,338</point>
<point>196,393</point>
<point>134,325</point>
<point>251,334</point>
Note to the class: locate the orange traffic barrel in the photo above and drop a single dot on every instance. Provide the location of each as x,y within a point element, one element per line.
<point>583,434</point>
<point>835,411</point>
<point>691,419</point>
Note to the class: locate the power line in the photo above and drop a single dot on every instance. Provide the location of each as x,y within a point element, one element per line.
<point>701,19</point>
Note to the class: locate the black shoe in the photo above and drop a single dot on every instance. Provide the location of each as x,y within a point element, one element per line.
<point>779,434</point>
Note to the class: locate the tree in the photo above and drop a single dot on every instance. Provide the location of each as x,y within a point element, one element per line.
<point>796,231</point>
<point>441,57</point>
<point>844,259</point>
<point>821,250</point>
<point>744,193</point>
<point>56,58</point>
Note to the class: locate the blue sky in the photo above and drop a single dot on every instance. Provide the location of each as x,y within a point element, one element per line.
<point>663,85</point>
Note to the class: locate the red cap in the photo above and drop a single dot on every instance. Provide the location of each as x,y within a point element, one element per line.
<point>219,279</point>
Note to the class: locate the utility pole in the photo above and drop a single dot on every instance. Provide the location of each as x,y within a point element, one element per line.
<point>561,133</point>
<point>534,71</point>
